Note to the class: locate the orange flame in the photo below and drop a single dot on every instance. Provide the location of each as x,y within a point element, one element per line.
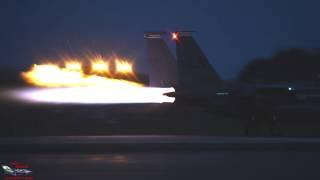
<point>74,84</point>
<point>123,67</point>
<point>73,66</point>
<point>72,74</point>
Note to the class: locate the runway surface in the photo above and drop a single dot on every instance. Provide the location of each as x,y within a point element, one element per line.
<point>157,157</point>
<point>155,143</point>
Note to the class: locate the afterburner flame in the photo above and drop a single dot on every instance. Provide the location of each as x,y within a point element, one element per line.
<point>75,82</point>
<point>72,75</point>
<point>73,66</point>
<point>95,95</point>
<point>123,67</point>
<point>99,66</point>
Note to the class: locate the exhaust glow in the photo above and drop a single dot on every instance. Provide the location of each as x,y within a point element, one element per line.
<point>71,84</point>
<point>123,67</point>
<point>96,95</point>
<point>73,66</point>
<point>99,66</point>
<point>72,75</point>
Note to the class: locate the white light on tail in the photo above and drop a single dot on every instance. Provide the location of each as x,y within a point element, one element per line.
<point>174,36</point>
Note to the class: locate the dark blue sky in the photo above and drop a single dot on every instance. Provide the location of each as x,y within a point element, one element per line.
<point>231,32</point>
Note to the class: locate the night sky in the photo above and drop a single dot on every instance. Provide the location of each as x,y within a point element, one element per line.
<point>231,32</point>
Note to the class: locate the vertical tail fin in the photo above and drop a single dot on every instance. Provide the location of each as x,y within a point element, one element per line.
<point>196,74</point>
<point>162,63</point>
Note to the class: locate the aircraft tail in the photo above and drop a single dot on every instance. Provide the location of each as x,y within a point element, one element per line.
<point>196,74</point>
<point>162,63</point>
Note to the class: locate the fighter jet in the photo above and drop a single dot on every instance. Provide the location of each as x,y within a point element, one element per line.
<point>190,72</point>
<point>197,83</point>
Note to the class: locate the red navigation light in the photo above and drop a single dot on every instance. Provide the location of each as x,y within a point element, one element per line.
<point>174,36</point>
